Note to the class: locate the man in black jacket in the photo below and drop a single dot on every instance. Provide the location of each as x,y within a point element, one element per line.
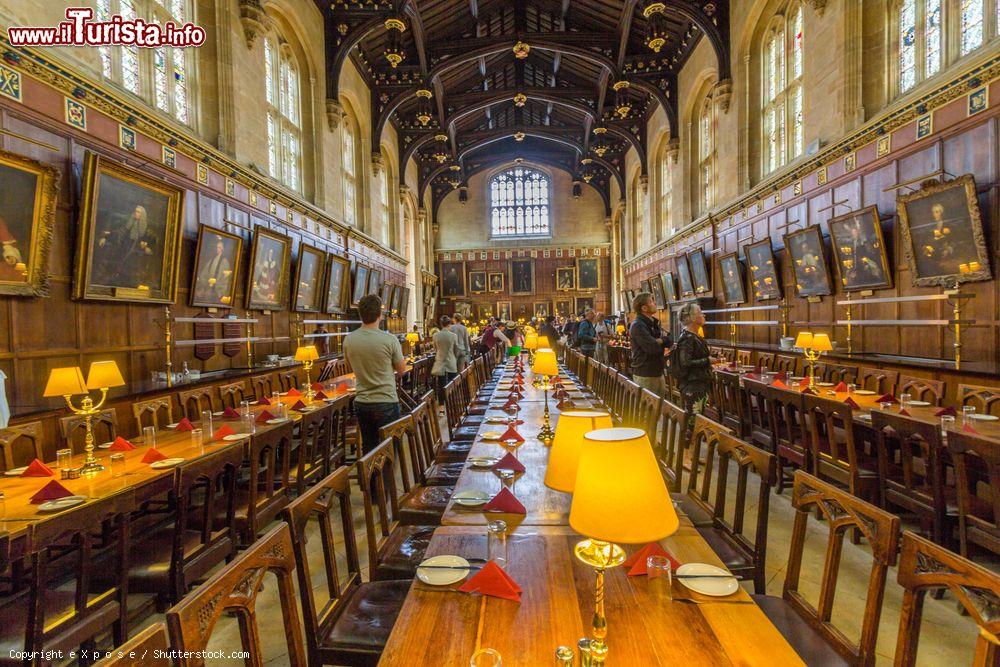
<point>648,345</point>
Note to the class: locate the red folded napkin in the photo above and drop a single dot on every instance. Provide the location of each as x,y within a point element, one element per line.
<point>779,384</point>
<point>781,376</point>
<point>293,392</point>
<point>511,434</point>
<point>38,469</point>
<point>886,398</point>
<point>808,391</point>
<point>969,429</point>
<point>153,455</point>
<point>299,405</point>
<point>850,401</point>
<point>184,425</point>
<point>508,462</point>
<point>842,386</point>
<point>506,503</point>
<point>229,413</point>
<point>804,383</point>
<point>263,417</point>
<point>492,581</point>
<point>316,386</point>
<point>566,404</point>
<point>121,445</point>
<point>946,411</point>
<point>223,432</point>
<point>904,412</point>
<point>51,491</point>
<point>320,396</point>
<point>263,401</point>
<point>636,563</point>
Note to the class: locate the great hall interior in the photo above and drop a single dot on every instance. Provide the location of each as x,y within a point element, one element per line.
<point>499,332</point>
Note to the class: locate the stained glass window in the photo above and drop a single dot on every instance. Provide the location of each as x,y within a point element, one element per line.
<point>281,92</point>
<point>350,173</point>
<point>519,203</point>
<point>782,98</point>
<point>907,44</point>
<point>706,147</point>
<point>129,54</point>
<point>932,37</point>
<point>973,20</point>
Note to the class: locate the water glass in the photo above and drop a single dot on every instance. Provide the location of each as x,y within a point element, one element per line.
<point>884,405</point>
<point>496,542</point>
<point>660,576</point>
<point>206,421</point>
<point>904,400</point>
<point>967,411</point>
<point>117,465</point>
<point>851,388</point>
<point>275,399</point>
<point>485,657</point>
<point>506,477</point>
<point>149,436</point>
<point>64,458</point>
<point>245,408</point>
<point>197,437</point>
<point>947,422</point>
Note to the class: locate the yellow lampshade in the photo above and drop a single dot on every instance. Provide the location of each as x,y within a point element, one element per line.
<point>701,331</point>
<point>104,375</point>
<point>413,337</point>
<point>65,382</point>
<point>531,341</point>
<point>543,342</point>
<point>545,362</point>
<point>619,494</point>
<point>306,353</point>
<point>804,340</point>
<point>620,329</point>
<point>821,342</point>
<point>565,454</point>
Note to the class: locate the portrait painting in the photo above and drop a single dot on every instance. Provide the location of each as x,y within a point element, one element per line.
<point>269,263</point>
<point>588,274</point>
<point>496,282</point>
<point>463,308</point>
<point>565,278</point>
<point>808,257</point>
<point>503,310</point>
<point>764,277</point>
<point>397,299</point>
<point>28,191</point>
<point>732,279</point>
<point>646,286</point>
<point>404,305</point>
<point>658,294</point>
<point>386,295</point>
<point>129,236</point>
<point>541,309</point>
<point>943,233</point>
<point>309,279</point>
<point>699,272</point>
<point>477,282</point>
<point>452,279</point>
<point>684,276</point>
<point>669,287</point>
<point>522,276</point>
<point>583,303</point>
<point>216,267</point>
<point>337,270</point>
<point>564,307</point>
<point>483,311</point>
<point>859,251</point>
<point>374,282</point>
<point>360,285</point>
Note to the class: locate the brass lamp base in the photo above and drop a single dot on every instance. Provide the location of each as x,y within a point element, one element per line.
<point>600,556</point>
<point>91,469</point>
<point>546,434</point>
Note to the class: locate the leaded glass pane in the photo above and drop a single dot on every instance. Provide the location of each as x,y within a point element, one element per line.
<point>519,203</point>
<point>972,25</point>
<point>932,37</point>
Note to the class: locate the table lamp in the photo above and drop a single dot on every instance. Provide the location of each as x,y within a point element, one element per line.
<point>413,338</point>
<point>530,344</point>
<point>307,354</point>
<point>560,474</point>
<point>620,329</point>
<point>543,342</point>
<point>68,382</point>
<point>545,363</point>
<point>618,496</point>
<point>813,345</point>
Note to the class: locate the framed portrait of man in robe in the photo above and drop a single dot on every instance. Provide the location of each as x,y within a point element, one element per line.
<point>269,269</point>
<point>808,257</point>
<point>452,279</point>
<point>859,251</point>
<point>765,280</point>
<point>337,271</point>
<point>217,260</point>
<point>522,276</point>
<point>28,191</point>
<point>309,279</point>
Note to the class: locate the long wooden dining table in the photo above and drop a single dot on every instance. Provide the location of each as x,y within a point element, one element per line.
<point>439,625</point>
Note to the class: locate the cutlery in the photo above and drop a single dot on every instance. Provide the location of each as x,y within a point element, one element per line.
<point>705,576</point>
<point>449,567</point>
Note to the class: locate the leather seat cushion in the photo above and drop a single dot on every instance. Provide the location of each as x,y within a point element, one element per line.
<point>731,557</point>
<point>696,514</point>
<point>402,552</point>
<point>444,474</point>
<point>368,616</point>
<point>424,505</point>
<point>465,433</point>
<point>59,603</point>
<point>808,643</point>
<point>474,419</point>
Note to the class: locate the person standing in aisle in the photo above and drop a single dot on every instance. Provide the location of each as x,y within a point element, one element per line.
<point>648,345</point>
<point>445,366</point>
<point>586,334</point>
<point>691,364</point>
<point>464,344</point>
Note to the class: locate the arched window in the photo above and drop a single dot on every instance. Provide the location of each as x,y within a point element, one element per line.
<point>666,219</point>
<point>782,94</point>
<point>638,216</point>
<point>390,222</point>
<point>284,119</point>
<point>160,75</point>
<point>519,203</point>
<point>349,168</point>
<point>706,154</point>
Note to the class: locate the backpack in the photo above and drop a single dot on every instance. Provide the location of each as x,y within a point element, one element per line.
<point>672,364</point>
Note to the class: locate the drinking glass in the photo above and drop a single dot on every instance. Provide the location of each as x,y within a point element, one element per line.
<point>149,436</point>
<point>485,657</point>
<point>967,411</point>
<point>197,437</point>
<point>245,408</point>
<point>947,421</point>
<point>117,465</point>
<point>496,542</point>
<point>206,421</point>
<point>275,398</point>
<point>884,405</point>
<point>64,458</point>
<point>3,508</point>
<point>660,576</point>
<point>506,477</point>
<point>851,388</point>
<point>904,400</point>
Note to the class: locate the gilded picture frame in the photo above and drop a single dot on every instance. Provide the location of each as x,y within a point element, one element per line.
<point>496,282</point>
<point>700,280</point>
<point>859,251</point>
<point>307,297</point>
<point>588,273</point>
<point>565,278</point>
<point>564,307</point>
<point>215,277</point>
<point>28,193</point>
<point>478,282</point>
<point>583,303</point>
<point>731,276</point>
<point>541,309</point>
<point>267,285</point>
<point>765,278</point>
<point>374,281</point>
<point>503,310</point>
<point>129,235</point>
<point>338,272</point>
<point>658,294</point>
<point>669,286</point>
<point>522,276</point>
<point>807,254</point>
<point>452,279</point>
<point>685,283</point>
<point>397,300</point>
<point>359,283</point>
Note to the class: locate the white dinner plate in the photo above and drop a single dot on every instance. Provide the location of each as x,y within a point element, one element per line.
<point>707,586</point>
<point>106,445</point>
<point>174,425</point>
<point>165,463</point>
<point>280,420</point>
<point>435,577</point>
<point>919,404</point>
<point>496,420</point>
<point>824,384</point>
<point>482,461</point>
<point>219,413</point>
<point>983,418</point>
<point>865,416</point>
<point>236,436</point>
<point>15,472</point>
<point>864,392</point>
<point>471,498</point>
<point>62,504</point>
<point>491,435</point>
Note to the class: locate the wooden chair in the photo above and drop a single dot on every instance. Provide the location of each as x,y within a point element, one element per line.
<point>744,555</point>
<point>21,444</point>
<point>141,649</point>
<point>266,490</point>
<point>289,379</point>
<point>765,360</point>
<point>879,380</point>
<point>835,451</point>
<point>345,442</point>
<point>629,393</point>
<point>759,431</point>
<point>312,441</point>
<point>233,591</point>
<point>156,412</point>
<point>837,373</point>
<point>394,550</point>
<point>807,628</point>
<point>743,357</point>
<point>696,502</point>
<point>420,503</point>
<point>985,399</point>
<point>732,403</point>
<point>925,566</point>
<point>352,622</point>
<point>647,412</point>
<point>233,393</point>
<point>429,439</point>
<point>669,444</point>
<point>194,401</point>
<point>912,473</point>
<point>789,434</point>
<point>977,482</point>
<point>264,386</point>
<point>785,364</point>
<point>199,537</point>
<point>66,607</point>
<point>73,429</point>
<point>922,389</point>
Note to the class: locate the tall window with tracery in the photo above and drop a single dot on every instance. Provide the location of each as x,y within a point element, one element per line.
<point>159,75</point>
<point>666,220</point>
<point>349,169</point>
<point>284,132</point>
<point>782,89</point>
<point>706,154</point>
<point>385,214</point>
<point>519,203</point>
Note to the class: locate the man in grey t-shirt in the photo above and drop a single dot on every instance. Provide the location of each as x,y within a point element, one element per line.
<point>376,358</point>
